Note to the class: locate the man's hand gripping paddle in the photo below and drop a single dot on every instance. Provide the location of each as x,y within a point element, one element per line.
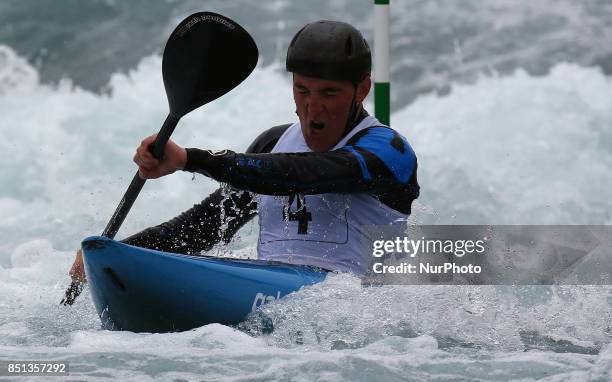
<point>206,56</point>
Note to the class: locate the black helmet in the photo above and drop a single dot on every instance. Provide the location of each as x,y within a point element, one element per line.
<point>331,50</point>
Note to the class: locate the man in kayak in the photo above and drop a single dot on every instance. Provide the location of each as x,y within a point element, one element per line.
<point>314,184</point>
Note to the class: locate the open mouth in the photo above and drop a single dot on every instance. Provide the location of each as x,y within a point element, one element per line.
<point>316,125</point>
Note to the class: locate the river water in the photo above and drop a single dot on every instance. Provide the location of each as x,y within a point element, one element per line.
<point>506,103</point>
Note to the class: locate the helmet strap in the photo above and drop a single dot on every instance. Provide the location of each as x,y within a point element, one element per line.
<point>354,113</point>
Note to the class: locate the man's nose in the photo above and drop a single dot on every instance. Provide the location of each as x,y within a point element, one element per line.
<point>315,106</point>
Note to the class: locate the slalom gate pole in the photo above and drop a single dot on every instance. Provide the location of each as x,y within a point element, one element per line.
<point>382,85</point>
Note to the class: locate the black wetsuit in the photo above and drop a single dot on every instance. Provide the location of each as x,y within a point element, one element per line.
<point>356,167</point>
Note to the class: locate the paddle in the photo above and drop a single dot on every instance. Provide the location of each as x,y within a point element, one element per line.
<point>206,56</point>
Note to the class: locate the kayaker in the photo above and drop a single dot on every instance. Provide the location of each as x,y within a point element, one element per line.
<point>337,169</point>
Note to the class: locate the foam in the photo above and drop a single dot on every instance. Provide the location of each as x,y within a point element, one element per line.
<point>68,152</point>
<point>526,149</point>
<point>515,150</point>
<point>511,149</point>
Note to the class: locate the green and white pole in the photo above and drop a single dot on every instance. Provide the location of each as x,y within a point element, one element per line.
<point>382,87</point>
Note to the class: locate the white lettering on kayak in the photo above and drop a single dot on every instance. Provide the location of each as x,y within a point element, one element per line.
<point>261,299</point>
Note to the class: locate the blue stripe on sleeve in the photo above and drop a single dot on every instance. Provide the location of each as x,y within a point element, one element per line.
<point>391,148</point>
<point>364,168</point>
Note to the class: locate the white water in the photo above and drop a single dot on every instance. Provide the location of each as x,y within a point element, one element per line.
<point>515,149</point>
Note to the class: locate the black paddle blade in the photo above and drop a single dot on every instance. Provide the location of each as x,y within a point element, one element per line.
<point>206,56</point>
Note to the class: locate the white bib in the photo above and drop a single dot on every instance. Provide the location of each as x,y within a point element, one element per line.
<point>319,230</point>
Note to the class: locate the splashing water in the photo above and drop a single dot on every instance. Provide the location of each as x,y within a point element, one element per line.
<point>512,148</point>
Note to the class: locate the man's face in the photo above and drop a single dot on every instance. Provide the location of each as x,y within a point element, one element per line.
<point>323,107</point>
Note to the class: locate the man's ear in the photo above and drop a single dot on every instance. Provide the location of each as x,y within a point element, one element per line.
<point>363,88</point>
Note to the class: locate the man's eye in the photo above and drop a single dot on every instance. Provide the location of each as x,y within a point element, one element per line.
<point>330,93</point>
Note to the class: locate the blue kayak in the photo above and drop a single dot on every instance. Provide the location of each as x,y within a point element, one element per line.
<point>144,290</point>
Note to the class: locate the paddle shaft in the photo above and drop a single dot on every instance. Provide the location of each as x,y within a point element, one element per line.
<point>157,149</point>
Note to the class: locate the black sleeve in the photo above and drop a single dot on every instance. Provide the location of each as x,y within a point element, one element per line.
<point>356,167</point>
<point>280,173</point>
<point>377,161</point>
<point>216,218</point>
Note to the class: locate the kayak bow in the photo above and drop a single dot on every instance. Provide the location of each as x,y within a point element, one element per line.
<point>144,290</point>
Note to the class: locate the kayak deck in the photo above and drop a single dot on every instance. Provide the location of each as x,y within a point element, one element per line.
<point>144,290</point>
